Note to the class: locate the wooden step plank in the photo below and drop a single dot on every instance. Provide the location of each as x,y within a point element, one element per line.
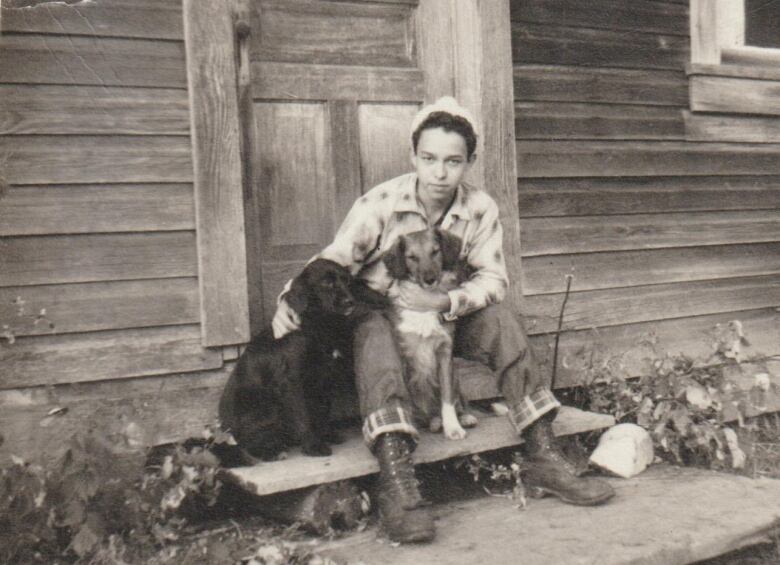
<point>352,458</point>
<point>87,307</point>
<point>666,515</point>
<point>54,109</point>
<point>116,354</point>
<point>560,45</point>
<point>151,19</point>
<point>627,195</point>
<point>547,273</point>
<point>96,257</point>
<point>48,159</point>
<point>592,84</point>
<point>587,234</point>
<point>547,120</point>
<point>599,308</point>
<point>70,59</point>
<point>644,158</point>
<point>96,208</point>
<point>645,16</point>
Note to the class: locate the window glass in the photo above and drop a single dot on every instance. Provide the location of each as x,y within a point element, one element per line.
<point>762,23</point>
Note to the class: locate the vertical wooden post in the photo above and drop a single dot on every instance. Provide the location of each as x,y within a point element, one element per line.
<point>714,25</point>
<point>219,208</point>
<point>466,51</point>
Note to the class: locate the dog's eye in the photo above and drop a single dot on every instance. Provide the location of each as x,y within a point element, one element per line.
<point>412,258</point>
<point>327,283</point>
<point>435,252</point>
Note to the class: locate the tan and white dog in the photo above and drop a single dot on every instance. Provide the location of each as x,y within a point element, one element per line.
<point>429,258</point>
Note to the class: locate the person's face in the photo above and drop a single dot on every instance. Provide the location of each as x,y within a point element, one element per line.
<point>440,162</point>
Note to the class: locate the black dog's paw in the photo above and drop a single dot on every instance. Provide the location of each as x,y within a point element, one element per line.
<point>316,448</point>
<point>332,436</point>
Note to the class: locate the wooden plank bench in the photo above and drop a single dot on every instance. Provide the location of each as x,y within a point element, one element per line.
<point>351,459</point>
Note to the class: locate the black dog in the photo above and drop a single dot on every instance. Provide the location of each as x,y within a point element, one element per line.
<point>280,391</point>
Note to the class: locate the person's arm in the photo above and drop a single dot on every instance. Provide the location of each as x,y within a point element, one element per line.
<point>485,254</point>
<point>354,242</point>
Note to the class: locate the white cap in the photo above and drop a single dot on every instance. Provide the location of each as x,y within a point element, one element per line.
<point>444,104</point>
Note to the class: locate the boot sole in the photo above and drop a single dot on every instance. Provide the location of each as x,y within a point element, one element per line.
<point>541,492</point>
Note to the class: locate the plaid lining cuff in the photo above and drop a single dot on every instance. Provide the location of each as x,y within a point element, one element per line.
<point>531,408</point>
<point>387,420</point>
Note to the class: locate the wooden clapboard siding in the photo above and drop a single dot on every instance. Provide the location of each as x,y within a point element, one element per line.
<point>639,158</point>
<point>581,351</point>
<point>610,307</point>
<point>78,60</point>
<point>546,120</point>
<point>587,234</point>
<point>162,409</point>
<point>547,273</point>
<point>151,19</point>
<point>334,33</point>
<point>49,259</point>
<point>562,83</point>
<point>56,109</point>
<point>85,307</point>
<point>80,159</point>
<point>639,15</point>
<point>117,354</point>
<point>559,45</point>
<point>630,195</point>
<point>96,208</point>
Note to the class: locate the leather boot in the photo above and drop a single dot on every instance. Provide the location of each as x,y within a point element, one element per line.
<point>549,472</point>
<point>401,507</point>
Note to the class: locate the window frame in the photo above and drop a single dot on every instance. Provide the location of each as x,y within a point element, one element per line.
<point>718,36</point>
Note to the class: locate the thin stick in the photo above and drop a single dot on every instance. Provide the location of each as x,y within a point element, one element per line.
<point>558,332</point>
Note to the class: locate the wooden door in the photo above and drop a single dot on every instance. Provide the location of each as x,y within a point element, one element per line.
<point>335,85</point>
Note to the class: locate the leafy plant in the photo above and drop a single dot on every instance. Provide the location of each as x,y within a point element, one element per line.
<point>98,497</point>
<point>685,403</point>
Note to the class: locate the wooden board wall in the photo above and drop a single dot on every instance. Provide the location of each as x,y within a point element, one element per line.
<point>660,232</point>
<point>98,263</point>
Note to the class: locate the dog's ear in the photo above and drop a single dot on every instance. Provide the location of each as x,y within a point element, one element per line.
<point>450,245</point>
<point>395,259</point>
<point>298,296</point>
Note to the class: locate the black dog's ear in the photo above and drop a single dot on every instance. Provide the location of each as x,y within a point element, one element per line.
<point>395,259</point>
<point>298,296</point>
<point>450,245</point>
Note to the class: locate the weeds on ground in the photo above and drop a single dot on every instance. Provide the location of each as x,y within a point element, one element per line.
<point>102,504</point>
<point>694,412</point>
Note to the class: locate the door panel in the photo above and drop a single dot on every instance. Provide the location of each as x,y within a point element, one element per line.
<point>384,141</point>
<point>335,86</point>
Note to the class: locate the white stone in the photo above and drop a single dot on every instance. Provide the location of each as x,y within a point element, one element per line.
<point>624,450</point>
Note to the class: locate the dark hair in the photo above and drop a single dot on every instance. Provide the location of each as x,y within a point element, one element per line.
<point>448,122</point>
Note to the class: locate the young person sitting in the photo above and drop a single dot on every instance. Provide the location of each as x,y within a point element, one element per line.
<point>443,144</point>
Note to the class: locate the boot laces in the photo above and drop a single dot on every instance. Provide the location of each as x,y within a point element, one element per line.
<point>397,474</point>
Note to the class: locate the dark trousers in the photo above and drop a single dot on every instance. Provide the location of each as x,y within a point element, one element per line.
<point>493,336</point>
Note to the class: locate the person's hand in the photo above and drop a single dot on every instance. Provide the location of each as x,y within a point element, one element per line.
<point>285,320</point>
<point>414,297</point>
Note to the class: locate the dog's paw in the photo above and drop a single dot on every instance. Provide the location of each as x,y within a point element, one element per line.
<point>316,448</point>
<point>454,432</point>
<point>333,436</point>
<point>468,420</point>
<point>435,425</point>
